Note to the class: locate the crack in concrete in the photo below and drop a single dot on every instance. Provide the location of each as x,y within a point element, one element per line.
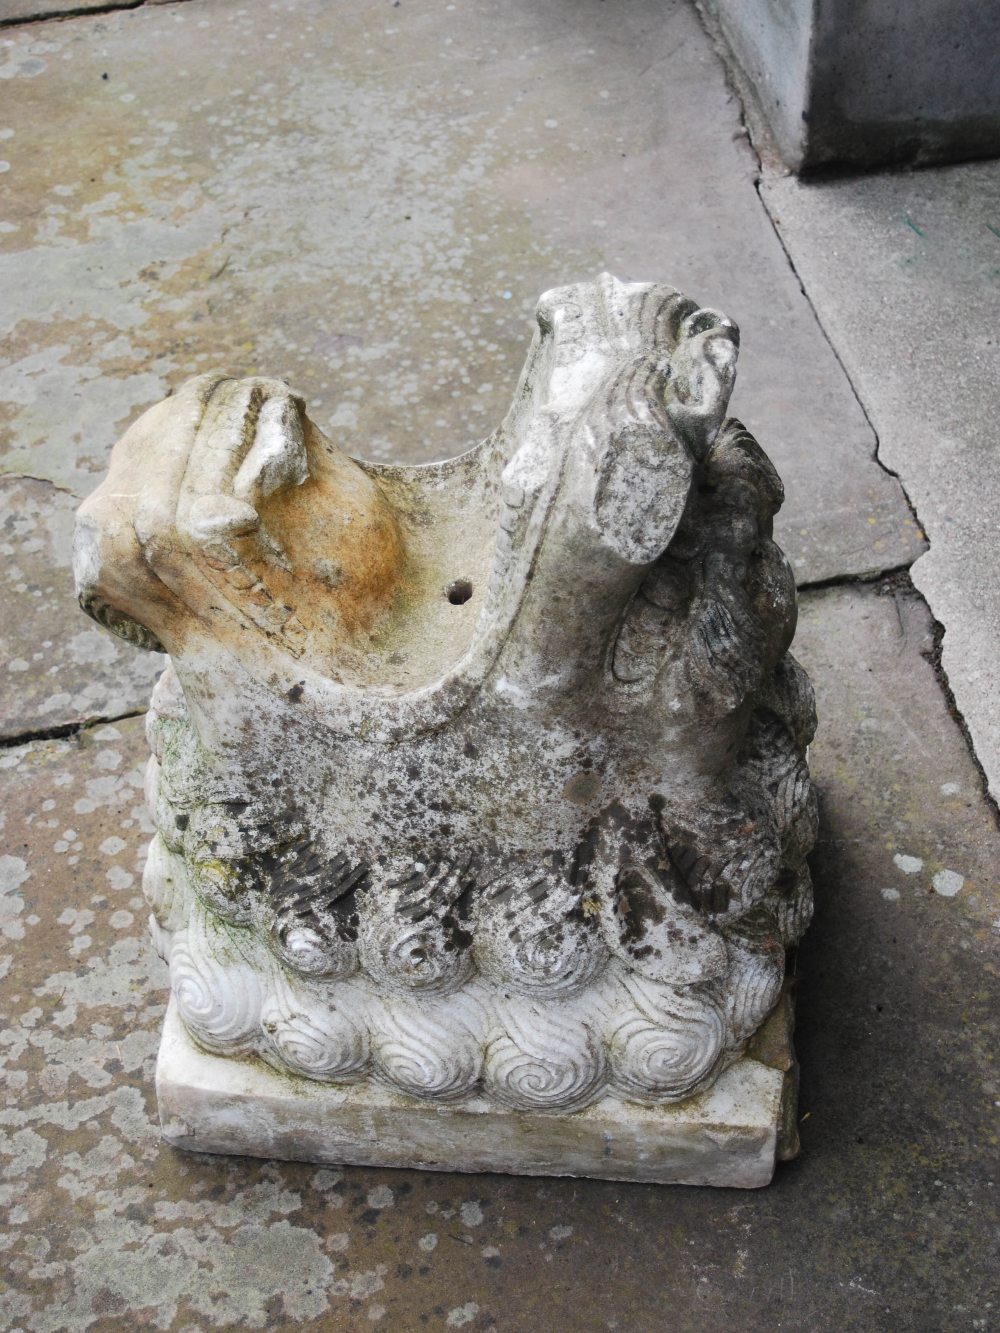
<point>852,580</point>
<point>65,730</point>
<point>752,126</point>
<point>42,481</point>
<point>934,658</point>
<point>81,11</point>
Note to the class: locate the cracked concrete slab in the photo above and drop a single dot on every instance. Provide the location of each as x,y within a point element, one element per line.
<point>34,11</point>
<point>29,11</point>
<point>56,667</point>
<point>888,1220</point>
<point>904,272</point>
<point>367,199</point>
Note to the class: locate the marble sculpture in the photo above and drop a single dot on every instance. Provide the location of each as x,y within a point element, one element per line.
<point>480,787</point>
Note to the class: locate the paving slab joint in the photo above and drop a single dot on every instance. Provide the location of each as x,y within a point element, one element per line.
<point>767,159</point>
<point>898,583</point>
<point>933,656</point>
<point>41,481</point>
<point>78,12</point>
<point>65,730</point>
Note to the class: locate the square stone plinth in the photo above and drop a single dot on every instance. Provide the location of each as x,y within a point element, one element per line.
<point>731,1135</point>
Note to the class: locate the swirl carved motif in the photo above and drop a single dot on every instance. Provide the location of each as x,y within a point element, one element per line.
<point>668,1042</point>
<point>218,990</point>
<point>532,935</point>
<point>427,1048</point>
<point>547,1058</point>
<point>753,987</point>
<point>313,918</point>
<point>413,934</point>
<point>793,909</point>
<point>166,886</point>
<point>314,1034</point>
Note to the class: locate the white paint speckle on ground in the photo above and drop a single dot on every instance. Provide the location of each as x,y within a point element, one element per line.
<point>428,1242</point>
<point>949,788</point>
<point>909,865</point>
<point>13,872</point>
<point>462,1314</point>
<point>890,895</point>
<point>947,883</point>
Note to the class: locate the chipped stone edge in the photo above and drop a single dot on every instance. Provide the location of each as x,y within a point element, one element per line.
<point>731,1135</point>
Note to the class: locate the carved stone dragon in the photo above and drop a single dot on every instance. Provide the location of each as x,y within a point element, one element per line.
<point>482,779</point>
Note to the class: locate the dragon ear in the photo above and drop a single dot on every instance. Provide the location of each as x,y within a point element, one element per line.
<point>702,372</point>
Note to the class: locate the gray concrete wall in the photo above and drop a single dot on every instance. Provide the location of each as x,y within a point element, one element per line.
<point>770,41</point>
<point>864,83</point>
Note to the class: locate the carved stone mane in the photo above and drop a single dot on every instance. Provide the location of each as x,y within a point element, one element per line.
<point>483,780</point>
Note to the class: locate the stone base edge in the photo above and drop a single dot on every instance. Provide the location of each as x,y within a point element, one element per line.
<point>731,1135</point>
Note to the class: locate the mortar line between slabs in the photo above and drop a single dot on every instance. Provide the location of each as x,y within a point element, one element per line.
<point>80,12</point>
<point>66,730</point>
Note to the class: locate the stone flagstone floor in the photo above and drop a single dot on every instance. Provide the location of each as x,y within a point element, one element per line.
<point>367,199</point>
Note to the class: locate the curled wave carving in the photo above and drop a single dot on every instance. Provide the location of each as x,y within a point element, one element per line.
<point>793,905</point>
<point>775,759</point>
<point>165,885</point>
<point>545,1059</point>
<point>788,693</point>
<point>313,950</point>
<point>316,1036</point>
<point>219,884</point>
<point>313,926</point>
<point>427,1049</point>
<point>753,988</point>
<point>655,935</point>
<point>413,935</point>
<point>217,989</point>
<point>666,1043</point>
<point>162,808</point>
<point>151,782</point>
<point>162,939</point>
<point>532,936</point>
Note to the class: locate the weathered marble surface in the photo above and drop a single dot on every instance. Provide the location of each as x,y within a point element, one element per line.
<point>730,1135</point>
<point>484,779</point>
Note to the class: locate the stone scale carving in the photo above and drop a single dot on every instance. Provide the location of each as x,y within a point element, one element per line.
<point>480,787</point>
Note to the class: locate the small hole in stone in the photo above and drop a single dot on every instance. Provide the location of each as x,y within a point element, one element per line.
<point>459,592</point>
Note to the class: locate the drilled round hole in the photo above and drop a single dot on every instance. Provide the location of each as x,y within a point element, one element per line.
<point>459,592</point>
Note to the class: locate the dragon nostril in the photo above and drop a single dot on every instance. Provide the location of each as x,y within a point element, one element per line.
<point>459,592</point>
